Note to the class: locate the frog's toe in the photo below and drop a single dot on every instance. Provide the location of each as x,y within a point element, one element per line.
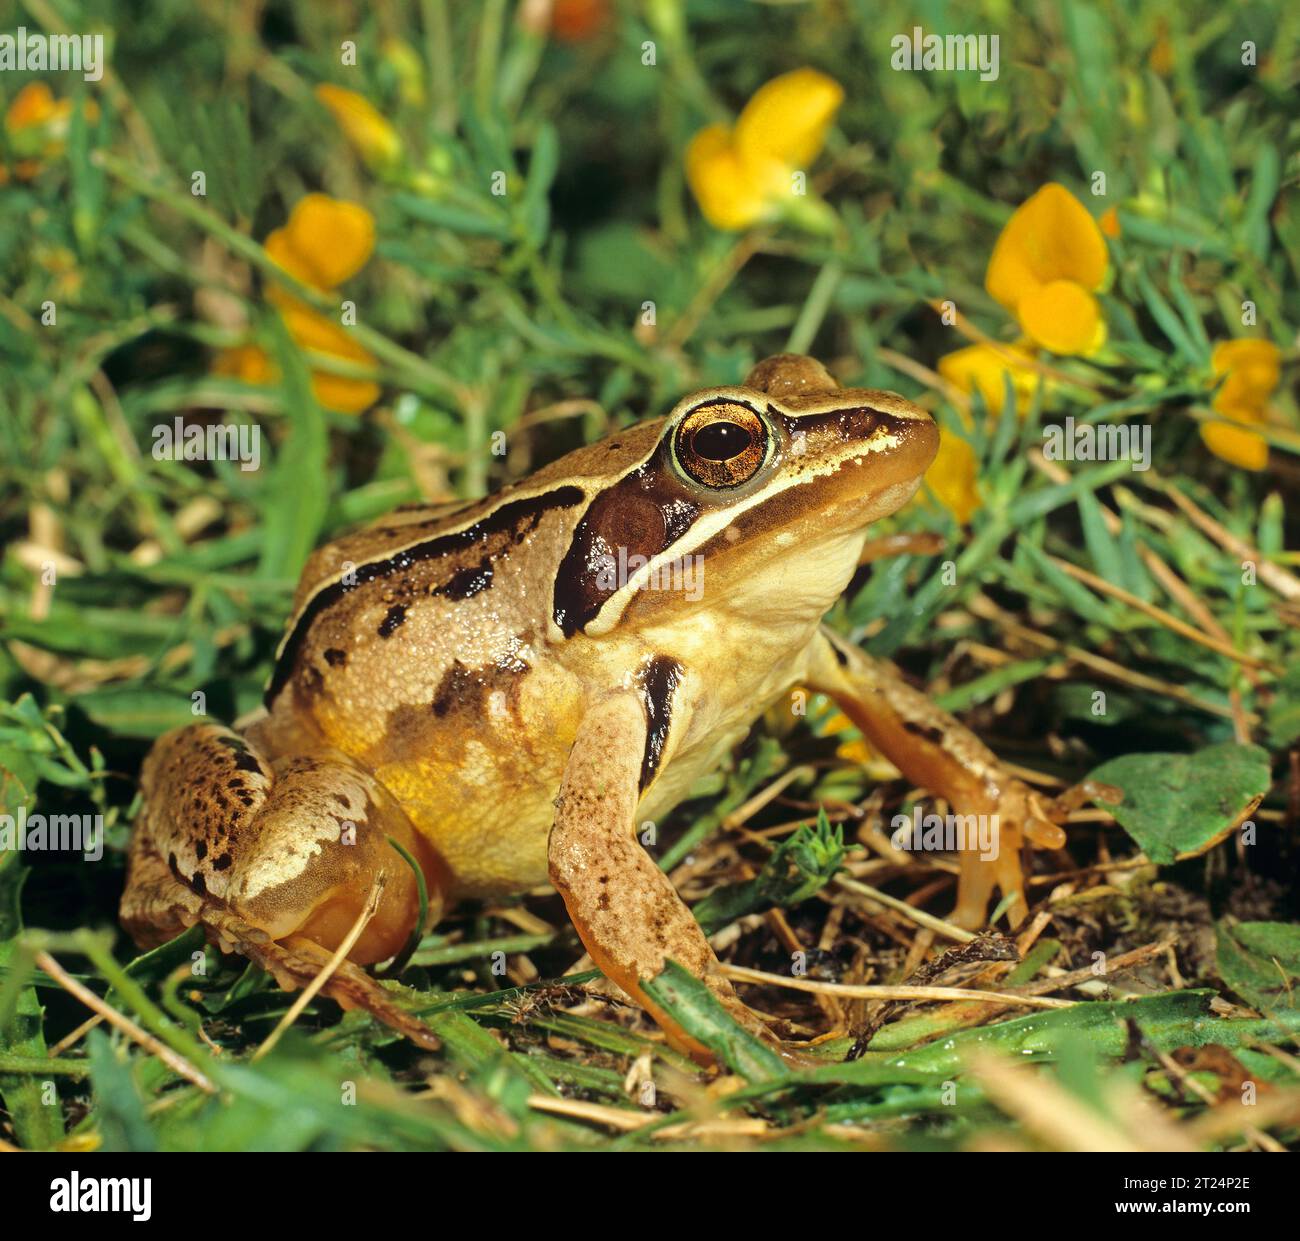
<point>1023,816</point>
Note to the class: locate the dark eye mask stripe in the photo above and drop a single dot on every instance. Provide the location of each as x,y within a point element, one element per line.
<point>509,517</point>
<point>643,514</point>
<point>836,425</point>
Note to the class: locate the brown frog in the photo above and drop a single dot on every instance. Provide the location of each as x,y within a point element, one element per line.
<point>509,688</point>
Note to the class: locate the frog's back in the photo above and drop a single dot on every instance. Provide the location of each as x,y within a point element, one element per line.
<point>418,646</point>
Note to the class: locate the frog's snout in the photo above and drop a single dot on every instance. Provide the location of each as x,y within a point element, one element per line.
<point>917,436</point>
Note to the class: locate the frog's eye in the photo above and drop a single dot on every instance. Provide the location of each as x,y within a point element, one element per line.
<point>721,444</point>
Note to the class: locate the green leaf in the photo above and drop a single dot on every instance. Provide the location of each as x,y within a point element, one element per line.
<point>1283,717</point>
<point>135,710</point>
<point>1167,319</point>
<point>476,1049</point>
<point>37,1124</point>
<point>695,1008</point>
<point>1079,597</point>
<point>1175,1019</point>
<point>1180,805</point>
<point>123,1123</point>
<point>535,207</point>
<point>800,865</point>
<point>1263,190</point>
<point>294,498</point>
<point>1260,961</point>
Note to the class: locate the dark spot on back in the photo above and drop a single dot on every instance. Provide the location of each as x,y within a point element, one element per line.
<point>506,520</point>
<point>466,583</point>
<point>392,621</point>
<point>335,658</point>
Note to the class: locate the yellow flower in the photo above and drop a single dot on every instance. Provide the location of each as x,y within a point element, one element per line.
<point>1047,263</point>
<point>786,120</point>
<point>745,174</point>
<point>247,363</point>
<point>954,478</point>
<point>728,196</point>
<point>314,333</point>
<point>250,364</point>
<point>38,124</point>
<point>325,242</point>
<point>1252,369</point>
<point>363,125</point>
<point>855,749</point>
<point>980,368</point>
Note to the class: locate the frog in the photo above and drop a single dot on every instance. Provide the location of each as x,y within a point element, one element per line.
<point>474,700</point>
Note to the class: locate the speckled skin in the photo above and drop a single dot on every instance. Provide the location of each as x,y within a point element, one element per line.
<point>447,673</point>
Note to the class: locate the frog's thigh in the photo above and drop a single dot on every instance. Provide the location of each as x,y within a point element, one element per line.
<point>624,909</point>
<point>155,907</point>
<point>291,846</point>
<point>937,751</point>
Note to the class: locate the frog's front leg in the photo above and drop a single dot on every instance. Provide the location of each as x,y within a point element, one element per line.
<point>935,750</point>
<point>627,914</point>
<point>278,858</point>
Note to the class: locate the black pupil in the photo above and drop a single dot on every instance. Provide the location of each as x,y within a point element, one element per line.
<point>720,441</point>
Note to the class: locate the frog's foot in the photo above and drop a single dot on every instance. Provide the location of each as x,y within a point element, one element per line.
<point>935,750</point>
<point>627,914</point>
<point>297,962</point>
<point>277,858</point>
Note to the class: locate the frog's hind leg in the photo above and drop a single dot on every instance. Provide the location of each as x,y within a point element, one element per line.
<point>938,752</point>
<point>277,858</point>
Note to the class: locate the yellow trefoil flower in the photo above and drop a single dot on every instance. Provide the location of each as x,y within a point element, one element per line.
<point>314,333</point>
<point>1252,369</point>
<point>953,475</point>
<point>980,368</point>
<point>745,173</point>
<point>1048,262</point>
<point>247,363</point>
<point>364,126</point>
<point>324,242</point>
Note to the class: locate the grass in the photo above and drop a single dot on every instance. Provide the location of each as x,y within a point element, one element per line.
<point>136,592</point>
